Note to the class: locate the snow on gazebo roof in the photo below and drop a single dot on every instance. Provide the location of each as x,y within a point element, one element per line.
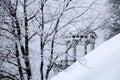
<point>100,64</point>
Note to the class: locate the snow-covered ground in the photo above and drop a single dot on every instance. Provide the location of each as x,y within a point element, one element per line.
<point>99,64</point>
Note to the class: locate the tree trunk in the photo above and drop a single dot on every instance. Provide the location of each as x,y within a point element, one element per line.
<point>27,60</point>
<point>19,63</point>
<point>41,43</point>
<point>47,74</point>
<point>41,65</point>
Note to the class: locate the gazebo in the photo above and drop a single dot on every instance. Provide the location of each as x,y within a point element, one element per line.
<point>71,41</point>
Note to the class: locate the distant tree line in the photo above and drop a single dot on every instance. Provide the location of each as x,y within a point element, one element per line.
<point>114,22</point>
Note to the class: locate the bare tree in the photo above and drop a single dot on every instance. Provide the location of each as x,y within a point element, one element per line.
<point>11,9</point>
<point>113,11</point>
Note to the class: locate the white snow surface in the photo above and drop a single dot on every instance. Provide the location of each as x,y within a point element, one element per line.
<point>103,63</point>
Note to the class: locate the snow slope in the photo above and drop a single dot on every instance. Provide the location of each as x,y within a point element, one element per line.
<point>103,63</point>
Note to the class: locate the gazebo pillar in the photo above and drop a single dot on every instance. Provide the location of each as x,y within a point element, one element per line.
<point>74,52</point>
<point>92,46</point>
<point>66,54</point>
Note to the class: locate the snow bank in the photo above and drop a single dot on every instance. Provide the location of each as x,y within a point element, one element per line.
<point>100,64</point>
